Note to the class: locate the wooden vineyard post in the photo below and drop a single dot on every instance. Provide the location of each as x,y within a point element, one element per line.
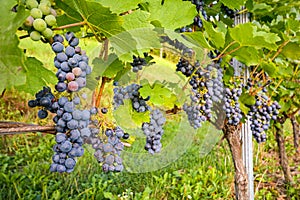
<point>246,134</point>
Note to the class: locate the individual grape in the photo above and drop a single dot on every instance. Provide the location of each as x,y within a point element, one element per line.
<point>66,146</point>
<point>50,20</point>
<point>47,33</point>
<point>85,132</point>
<point>76,100</point>
<point>70,163</point>
<point>58,38</point>
<point>45,102</point>
<point>67,116</point>
<point>42,114</point>
<point>35,36</point>
<point>53,167</point>
<point>60,86</point>
<point>85,115</point>
<point>73,86</point>
<point>125,136</point>
<point>72,124</point>
<point>29,21</point>
<point>70,76</point>
<point>30,4</point>
<point>61,57</point>
<point>64,66</point>
<point>81,82</point>
<point>70,51</point>
<point>76,114</point>
<point>36,13</point>
<point>55,158</point>
<point>69,106</point>
<point>60,168</point>
<point>32,103</point>
<point>62,101</point>
<point>60,137</point>
<point>57,47</point>
<point>39,25</point>
<point>77,71</point>
<point>104,110</point>
<point>69,35</point>
<point>45,8</point>
<point>73,41</point>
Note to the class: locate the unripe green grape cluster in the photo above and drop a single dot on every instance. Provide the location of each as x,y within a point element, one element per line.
<point>42,18</point>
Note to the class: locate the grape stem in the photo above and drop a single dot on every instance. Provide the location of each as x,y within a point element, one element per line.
<point>99,94</point>
<point>70,25</point>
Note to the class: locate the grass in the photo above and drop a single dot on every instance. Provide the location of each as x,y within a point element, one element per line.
<point>199,170</point>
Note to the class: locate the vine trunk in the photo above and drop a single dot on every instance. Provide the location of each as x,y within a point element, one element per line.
<point>232,135</point>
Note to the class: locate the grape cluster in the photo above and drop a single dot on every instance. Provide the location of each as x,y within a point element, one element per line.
<point>185,67</point>
<point>154,131</point>
<point>215,84</point>
<point>44,99</point>
<point>227,11</point>
<point>207,87</point>
<point>72,128</point>
<point>42,18</point>
<point>108,153</point>
<point>130,92</point>
<point>71,62</point>
<point>232,106</point>
<point>261,113</point>
<point>185,51</point>
<point>186,29</point>
<point>138,63</point>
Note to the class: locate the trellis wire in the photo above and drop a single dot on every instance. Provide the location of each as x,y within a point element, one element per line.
<point>246,134</point>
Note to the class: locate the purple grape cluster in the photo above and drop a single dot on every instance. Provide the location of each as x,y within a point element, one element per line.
<point>185,67</point>
<point>108,153</point>
<point>72,128</point>
<point>261,113</point>
<point>232,106</point>
<point>154,131</point>
<point>207,87</point>
<point>130,92</point>
<point>44,99</point>
<point>138,63</point>
<point>71,62</point>
<point>227,11</point>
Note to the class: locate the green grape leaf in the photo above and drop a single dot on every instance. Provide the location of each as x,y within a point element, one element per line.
<point>236,4</point>
<point>37,75</point>
<point>247,99</point>
<point>118,7</point>
<point>229,72</point>
<point>285,105</point>
<point>247,55</point>
<point>247,35</point>
<point>261,8</point>
<point>159,94</point>
<point>270,68</point>
<point>107,68</point>
<point>127,118</point>
<point>169,14</point>
<point>198,39</point>
<point>12,68</point>
<point>216,37</point>
<point>137,19</point>
<point>291,50</point>
<point>97,17</point>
